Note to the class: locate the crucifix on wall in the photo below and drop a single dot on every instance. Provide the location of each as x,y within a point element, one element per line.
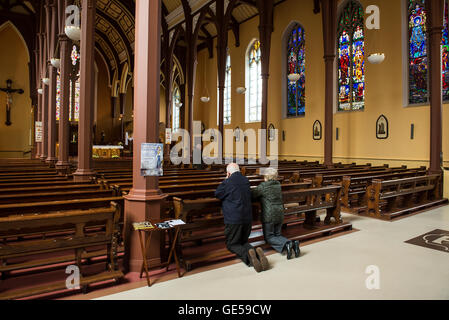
<point>9,91</point>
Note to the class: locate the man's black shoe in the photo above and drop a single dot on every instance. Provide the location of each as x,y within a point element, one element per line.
<point>296,248</point>
<point>254,261</point>
<point>288,247</point>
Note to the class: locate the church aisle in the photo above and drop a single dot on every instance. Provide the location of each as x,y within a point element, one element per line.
<point>332,269</point>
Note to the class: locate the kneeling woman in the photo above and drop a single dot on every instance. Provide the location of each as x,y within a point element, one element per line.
<point>269,194</point>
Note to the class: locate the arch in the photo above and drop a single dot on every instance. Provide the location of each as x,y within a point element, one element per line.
<point>177,66</point>
<point>351,57</point>
<point>124,78</point>
<point>100,54</point>
<point>249,83</point>
<point>284,83</point>
<point>9,23</point>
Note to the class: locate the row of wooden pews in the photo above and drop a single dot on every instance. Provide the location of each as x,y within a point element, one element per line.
<point>47,222</point>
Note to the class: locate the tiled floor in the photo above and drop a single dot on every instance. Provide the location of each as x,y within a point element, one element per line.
<point>331,269</point>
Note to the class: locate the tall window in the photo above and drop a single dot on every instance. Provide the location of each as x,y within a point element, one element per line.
<point>176,105</point>
<point>418,91</point>
<point>227,95</point>
<point>74,98</point>
<point>296,64</point>
<point>351,58</point>
<point>254,84</point>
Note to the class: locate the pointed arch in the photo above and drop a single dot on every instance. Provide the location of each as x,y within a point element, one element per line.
<point>9,23</point>
<point>253,67</point>
<point>351,57</point>
<point>293,61</point>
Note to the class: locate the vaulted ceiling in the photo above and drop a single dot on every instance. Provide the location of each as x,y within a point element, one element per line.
<point>115,25</point>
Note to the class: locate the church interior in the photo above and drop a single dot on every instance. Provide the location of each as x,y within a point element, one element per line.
<point>349,98</point>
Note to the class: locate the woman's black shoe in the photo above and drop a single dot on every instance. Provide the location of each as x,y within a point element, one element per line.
<point>288,247</point>
<point>296,248</point>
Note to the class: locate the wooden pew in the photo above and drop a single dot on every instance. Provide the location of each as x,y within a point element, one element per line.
<point>79,242</point>
<point>204,221</point>
<point>49,188</point>
<point>354,197</point>
<point>48,206</point>
<point>392,198</point>
<point>54,196</point>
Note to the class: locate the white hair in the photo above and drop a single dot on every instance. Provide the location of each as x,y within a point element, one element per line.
<point>270,174</point>
<point>232,168</point>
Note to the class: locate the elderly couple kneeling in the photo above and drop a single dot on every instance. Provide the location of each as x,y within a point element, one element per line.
<point>236,196</point>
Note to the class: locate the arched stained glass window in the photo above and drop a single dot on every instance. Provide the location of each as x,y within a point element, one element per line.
<point>296,64</point>
<point>74,113</point>
<point>351,58</point>
<point>445,53</point>
<point>227,95</point>
<point>254,83</point>
<point>176,105</point>
<point>418,91</point>
<point>418,53</point>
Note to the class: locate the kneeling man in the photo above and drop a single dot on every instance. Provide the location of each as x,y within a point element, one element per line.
<point>235,194</point>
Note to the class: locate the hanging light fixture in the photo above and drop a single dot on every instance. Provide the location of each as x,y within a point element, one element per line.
<point>73,31</point>
<point>376,58</point>
<point>55,62</point>
<point>241,90</point>
<point>178,104</point>
<point>45,81</point>
<point>40,91</point>
<point>206,97</point>
<point>294,77</point>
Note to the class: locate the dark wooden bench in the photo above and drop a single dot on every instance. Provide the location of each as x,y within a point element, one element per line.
<point>204,221</point>
<point>37,250</point>
<point>354,196</point>
<point>389,199</point>
<point>49,188</point>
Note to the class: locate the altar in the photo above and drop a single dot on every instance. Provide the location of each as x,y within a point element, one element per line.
<point>106,152</point>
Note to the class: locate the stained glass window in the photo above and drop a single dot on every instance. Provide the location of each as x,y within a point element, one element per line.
<point>227,95</point>
<point>74,113</point>
<point>351,58</point>
<point>254,95</point>
<point>176,105</point>
<point>296,64</point>
<point>418,59</point>
<point>445,53</point>
<point>418,91</point>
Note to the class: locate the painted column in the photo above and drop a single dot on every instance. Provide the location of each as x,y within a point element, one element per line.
<point>144,200</point>
<point>87,91</point>
<point>266,8</point>
<point>51,159</point>
<point>329,20</point>
<point>435,8</point>
<point>64,108</point>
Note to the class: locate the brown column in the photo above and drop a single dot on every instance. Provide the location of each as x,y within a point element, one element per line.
<point>266,8</point>
<point>329,19</point>
<point>144,200</point>
<point>39,85</point>
<point>122,97</point>
<point>87,93</point>
<point>51,159</point>
<point>222,46</point>
<point>64,108</point>
<point>435,9</point>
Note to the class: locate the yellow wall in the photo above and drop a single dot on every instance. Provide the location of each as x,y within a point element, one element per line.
<point>14,65</point>
<point>384,85</point>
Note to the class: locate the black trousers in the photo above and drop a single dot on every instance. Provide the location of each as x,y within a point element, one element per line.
<point>237,236</point>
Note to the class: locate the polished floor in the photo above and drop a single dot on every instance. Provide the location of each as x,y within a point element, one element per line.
<point>373,263</point>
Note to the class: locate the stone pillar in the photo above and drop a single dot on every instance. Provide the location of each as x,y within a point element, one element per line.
<point>63,163</point>
<point>51,159</point>
<point>435,9</point>
<point>87,91</point>
<point>329,20</point>
<point>144,200</point>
